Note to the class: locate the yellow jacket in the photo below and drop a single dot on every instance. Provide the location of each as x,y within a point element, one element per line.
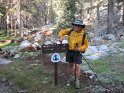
<point>73,38</point>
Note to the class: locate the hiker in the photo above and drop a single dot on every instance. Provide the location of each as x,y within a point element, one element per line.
<point>74,54</point>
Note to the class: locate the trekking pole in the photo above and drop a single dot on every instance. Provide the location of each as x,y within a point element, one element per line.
<point>95,74</point>
<point>75,64</point>
<point>75,72</point>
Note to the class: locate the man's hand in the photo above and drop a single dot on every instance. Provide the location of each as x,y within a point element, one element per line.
<point>77,49</point>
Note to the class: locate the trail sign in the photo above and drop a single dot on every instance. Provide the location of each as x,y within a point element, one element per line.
<point>55,57</point>
<point>55,48</point>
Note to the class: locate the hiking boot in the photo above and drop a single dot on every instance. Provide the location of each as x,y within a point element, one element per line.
<point>77,84</point>
<point>70,81</point>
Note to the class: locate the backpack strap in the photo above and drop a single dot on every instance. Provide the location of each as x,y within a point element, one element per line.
<point>83,40</point>
<point>84,37</point>
<point>69,32</point>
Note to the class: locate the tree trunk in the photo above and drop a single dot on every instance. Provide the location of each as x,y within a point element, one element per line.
<point>15,31</point>
<point>91,9</point>
<point>123,12</point>
<point>20,19</point>
<point>11,23</point>
<point>50,12</point>
<point>98,14</point>
<point>110,16</point>
<point>82,11</point>
<point>7,22</point>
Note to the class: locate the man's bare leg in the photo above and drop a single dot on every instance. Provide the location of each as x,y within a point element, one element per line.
<point>77,71</point>
<point>69,73</point>
<point>70,70</point>
<point>77,81</point>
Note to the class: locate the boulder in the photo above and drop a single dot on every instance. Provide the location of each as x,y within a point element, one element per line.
<point>97,41</point>
<point>122,38</point>
<point>17,56</point>
<point>112,49</point>
<point>90,74</point>
<point>27,46</point>
<point>110,37</point>
<point>103,48</point>
<point>121,50</point>
<point>4,61</point>
<point>93,57</point>
<point>37,37</point>
<point>24,44</point>
<point>102,53</point>
<point>91,50</point>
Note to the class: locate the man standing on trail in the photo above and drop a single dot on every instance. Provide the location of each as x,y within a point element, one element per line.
<point>78,43</point>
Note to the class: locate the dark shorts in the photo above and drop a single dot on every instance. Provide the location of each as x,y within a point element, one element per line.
<point>73,56</point>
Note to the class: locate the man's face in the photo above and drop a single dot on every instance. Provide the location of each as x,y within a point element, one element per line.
<point>77,28</point>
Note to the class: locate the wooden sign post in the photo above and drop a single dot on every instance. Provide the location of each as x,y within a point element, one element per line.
<point>55,58</point>
<point>56,75</point>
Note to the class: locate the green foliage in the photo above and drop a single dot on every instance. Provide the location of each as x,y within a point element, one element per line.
<point>3,37</point>
<point>100,66</point>
<point>69,12</point>
<point>34,78</point>
<point>37,78</point>
<point>120,78</point>
<point>99,62</point>
<point>26,76</point>
<point>71,8</point>
<point>3,32</point>
<point>7,45</point>
<point>2,9</point>
<point>122,45</point>
<point>38,10</point>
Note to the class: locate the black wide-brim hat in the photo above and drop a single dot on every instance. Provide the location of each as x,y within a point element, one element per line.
<point>78,23</point>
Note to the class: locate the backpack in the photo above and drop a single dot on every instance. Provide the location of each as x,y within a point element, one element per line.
<point>84,35</point>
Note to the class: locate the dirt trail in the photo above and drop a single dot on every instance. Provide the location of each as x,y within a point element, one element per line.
<point>4,86</point>
<point>90,84</point>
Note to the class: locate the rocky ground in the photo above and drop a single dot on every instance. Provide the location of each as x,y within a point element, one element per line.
<point>87,85</point>
<point>4,86</point>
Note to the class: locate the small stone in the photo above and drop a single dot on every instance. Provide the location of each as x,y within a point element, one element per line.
<point>17,56</point>
<point>23,91</point>
<point>45,82</point>
<point>10,84</point>
<point>113,85</point>
<point>4,80</point>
